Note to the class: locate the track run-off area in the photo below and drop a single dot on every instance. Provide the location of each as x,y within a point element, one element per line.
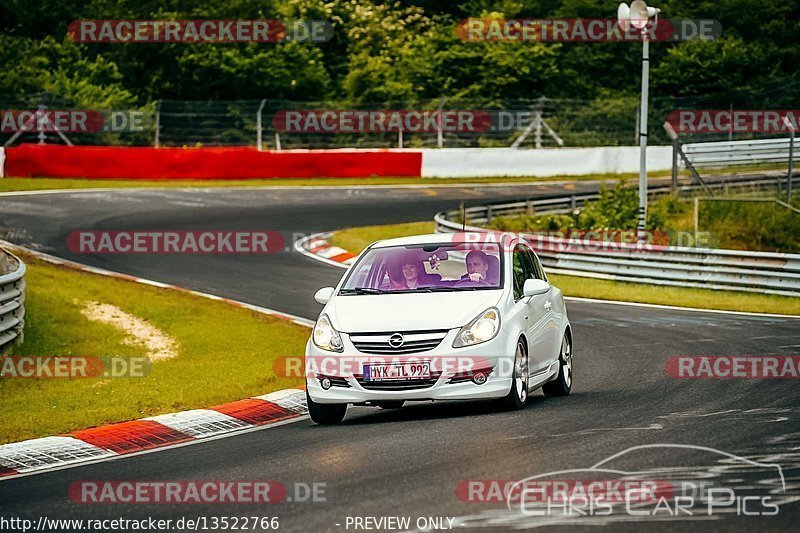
<point>415,461</point>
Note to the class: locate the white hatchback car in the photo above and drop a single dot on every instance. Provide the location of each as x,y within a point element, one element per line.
<point>438,317</point>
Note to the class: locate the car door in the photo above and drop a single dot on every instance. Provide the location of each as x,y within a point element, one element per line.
<point>536,313</point>
<point>551,343</point>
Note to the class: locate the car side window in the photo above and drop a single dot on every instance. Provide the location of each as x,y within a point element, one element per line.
<point>537,266</point>
<point>540,268</point>
<point>530,269</point>
<point>520,270</point>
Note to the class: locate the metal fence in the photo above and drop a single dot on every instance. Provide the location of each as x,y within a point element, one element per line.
<point>12,299</point>
<point>531,123</point>
<point>761,272</point>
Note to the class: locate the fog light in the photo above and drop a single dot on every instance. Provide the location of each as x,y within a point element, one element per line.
<point>479,378</point>
<point>326,383</point>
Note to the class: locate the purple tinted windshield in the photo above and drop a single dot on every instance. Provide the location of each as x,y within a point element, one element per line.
<point>451,266</point>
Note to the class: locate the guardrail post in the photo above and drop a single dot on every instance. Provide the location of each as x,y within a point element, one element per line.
<point>676,149</point>
<point>157,140</point>
<point>488,214</point>
<point>675,165</point>
<point>258,126</point>
<point>791,157</point>
<point>573,202</point>
<point>529,208</point>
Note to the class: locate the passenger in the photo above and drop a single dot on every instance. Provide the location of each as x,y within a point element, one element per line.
<point>404,272</point>
<point>411,274</point>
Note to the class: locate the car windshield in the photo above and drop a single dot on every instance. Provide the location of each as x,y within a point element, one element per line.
<point>426,268</point>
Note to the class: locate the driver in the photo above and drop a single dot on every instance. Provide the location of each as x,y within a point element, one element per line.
<point>477,267</point>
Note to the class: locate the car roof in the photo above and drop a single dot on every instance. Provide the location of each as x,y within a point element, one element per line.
<point>438,238</point>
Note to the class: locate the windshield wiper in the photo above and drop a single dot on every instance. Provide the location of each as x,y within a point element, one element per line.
<point>362,290</point>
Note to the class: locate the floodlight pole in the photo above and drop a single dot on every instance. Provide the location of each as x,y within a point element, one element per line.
<point>640,228</point>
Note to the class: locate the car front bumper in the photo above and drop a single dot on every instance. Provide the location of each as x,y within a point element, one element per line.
<point>496,353</point>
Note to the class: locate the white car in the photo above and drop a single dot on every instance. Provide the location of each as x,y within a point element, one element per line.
<point>438,317</point>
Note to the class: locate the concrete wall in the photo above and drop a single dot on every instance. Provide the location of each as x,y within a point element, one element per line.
<point>487,162</point>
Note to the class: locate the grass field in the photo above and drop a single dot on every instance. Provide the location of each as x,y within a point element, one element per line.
<point>224,353</point>
<point>356,239</point>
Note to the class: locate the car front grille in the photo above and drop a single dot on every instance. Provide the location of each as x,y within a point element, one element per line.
<point>413,341</point>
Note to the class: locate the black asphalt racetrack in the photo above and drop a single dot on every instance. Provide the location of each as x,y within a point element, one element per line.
<point>410,462</point>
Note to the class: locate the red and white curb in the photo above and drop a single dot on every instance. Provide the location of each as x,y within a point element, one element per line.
<point>147,434</point>
<point>317,247</point>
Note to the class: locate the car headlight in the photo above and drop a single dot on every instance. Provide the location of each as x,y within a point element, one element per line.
<point>482,328</point>
<point>325,337</point>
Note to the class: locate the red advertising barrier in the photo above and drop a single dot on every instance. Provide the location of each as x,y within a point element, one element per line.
<point>116,162</point>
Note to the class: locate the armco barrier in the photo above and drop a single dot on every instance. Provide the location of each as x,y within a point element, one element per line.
<point>12,298</point>
<point>730,153</point>
<point>762,272</point>
<point>117,162</point>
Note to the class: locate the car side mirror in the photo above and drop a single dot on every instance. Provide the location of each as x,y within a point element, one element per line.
<point>324,295</point>
<point>534,287</point>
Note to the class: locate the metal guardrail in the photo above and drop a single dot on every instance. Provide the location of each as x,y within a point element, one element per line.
<point>566,203</point>
<point>762,272</point>
<point>12,299</point>
<point>730,153</point>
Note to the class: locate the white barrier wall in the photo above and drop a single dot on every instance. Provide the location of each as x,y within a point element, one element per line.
<point>489,162</point>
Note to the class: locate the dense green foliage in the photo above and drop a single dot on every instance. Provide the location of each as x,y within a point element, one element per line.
<point>397,52</point>
<point>724,223</point>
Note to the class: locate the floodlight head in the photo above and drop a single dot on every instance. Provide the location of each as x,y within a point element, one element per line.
<point>624,15</point>
<point>639,14</point>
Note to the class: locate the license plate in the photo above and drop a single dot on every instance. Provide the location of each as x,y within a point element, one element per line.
<point>392,371</point>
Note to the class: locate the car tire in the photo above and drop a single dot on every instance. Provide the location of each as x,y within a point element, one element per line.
<point>518,395</point>
<point>562,385</point>
<point>325,414</point>
<point>390,404</point>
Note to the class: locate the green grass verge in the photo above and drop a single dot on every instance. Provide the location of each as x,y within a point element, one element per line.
<point>225,353</point>
<point>677,296</point>
<point>356,239</point>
